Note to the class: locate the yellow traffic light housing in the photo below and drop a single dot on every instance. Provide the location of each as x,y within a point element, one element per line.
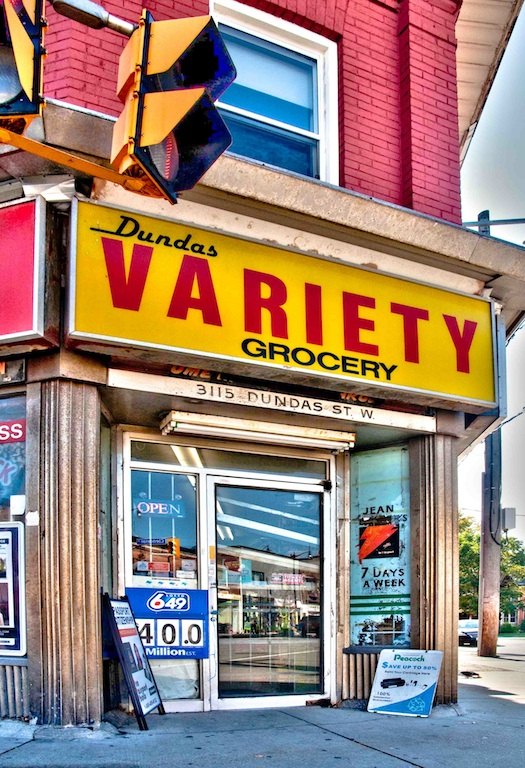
<point>21,62</point>
<point>174,546</point>
<point>170,132</point>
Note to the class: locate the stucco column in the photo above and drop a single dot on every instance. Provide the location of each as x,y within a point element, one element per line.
<point>65,628</point>
<point>435,554</point>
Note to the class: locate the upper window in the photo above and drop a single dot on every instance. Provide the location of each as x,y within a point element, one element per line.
<point>281,109</point>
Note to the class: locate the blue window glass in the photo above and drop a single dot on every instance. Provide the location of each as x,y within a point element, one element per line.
<point>271,107</point>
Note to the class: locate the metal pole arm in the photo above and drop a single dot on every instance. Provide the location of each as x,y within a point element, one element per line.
<point>70,161</point>
<point>92,15</point>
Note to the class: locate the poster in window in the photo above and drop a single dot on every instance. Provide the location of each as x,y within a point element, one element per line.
<point>380,549</point>
<point>12,592</point>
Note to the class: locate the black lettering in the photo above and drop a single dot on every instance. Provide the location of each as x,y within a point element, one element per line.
<point>259,347</point>
<point>318,407</point>
<point>349,364</point>
<point>281,350</point>
<point>366,414</point>
<point>121,228</point>
<point>123,224</point>
<point>160,238</point>
<point>197,248</point>
<point>266,398</point>
<point>370,365</point>
<point>280,402</point>
<point>212,251</point>
<point>201,389</point>
<point>309,354</point>
<point>388,371</point>
<point>182,244</point>
<point>145,237</point>
<point>336,408</point>
<point>321,362</point>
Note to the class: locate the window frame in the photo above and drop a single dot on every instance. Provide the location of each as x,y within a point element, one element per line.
<point>302,41</point>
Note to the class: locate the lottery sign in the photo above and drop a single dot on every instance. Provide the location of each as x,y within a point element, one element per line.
<point>172,623</point>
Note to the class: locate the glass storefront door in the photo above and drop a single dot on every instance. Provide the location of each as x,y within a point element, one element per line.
<point>202,520</point>
<point>269,589</point>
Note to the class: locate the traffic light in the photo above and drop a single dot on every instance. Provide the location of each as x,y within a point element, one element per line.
<point>170,131</point>
<point>21,62</point>
<point>174,546</point>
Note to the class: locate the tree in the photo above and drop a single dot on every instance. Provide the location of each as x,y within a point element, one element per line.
<point>512,595</point>
<point>469,542</point>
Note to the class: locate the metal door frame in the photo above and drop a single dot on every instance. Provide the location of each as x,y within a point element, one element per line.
<point>328,606</point>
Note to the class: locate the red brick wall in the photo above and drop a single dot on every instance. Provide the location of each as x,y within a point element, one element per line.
<point>397,86</point>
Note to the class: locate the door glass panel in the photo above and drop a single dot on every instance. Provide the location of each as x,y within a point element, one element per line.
<point>165,554</point>
<point>269,591</point>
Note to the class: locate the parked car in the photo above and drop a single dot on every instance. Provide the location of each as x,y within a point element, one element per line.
<point>468,631</point>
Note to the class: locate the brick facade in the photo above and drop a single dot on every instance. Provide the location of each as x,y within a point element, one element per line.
<point>397,87</point>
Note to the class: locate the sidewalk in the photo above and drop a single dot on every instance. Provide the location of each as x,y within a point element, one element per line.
<point>486,728</point>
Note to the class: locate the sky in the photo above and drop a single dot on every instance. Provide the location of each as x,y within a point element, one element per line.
<point>493,178</point>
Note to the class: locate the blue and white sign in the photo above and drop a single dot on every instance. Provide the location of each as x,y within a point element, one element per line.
<point>405,682</point>
<point>173,623</point>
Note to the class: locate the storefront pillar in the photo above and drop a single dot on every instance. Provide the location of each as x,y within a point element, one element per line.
<point>435,554</point>
<point>64,630</point>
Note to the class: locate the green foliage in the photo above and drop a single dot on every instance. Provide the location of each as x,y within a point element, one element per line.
<point>469,537</point>
<point>512,580</point>
<point>507,629</point>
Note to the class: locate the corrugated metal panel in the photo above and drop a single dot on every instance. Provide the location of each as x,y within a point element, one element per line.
<point>14,692</point>
<point>361,671</point>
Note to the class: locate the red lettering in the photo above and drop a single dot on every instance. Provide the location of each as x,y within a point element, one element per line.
<point>126,293</point>
<point>194,270</point>
<point>354,323</point>
<point>462,341</point>
<point>254,303</point>
<point>314,313</point>
<point>410,316</point>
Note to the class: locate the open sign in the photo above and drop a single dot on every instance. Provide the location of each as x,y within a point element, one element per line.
<point>170,508</point>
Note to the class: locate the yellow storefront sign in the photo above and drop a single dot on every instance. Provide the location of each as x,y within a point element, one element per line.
<point>149,283</point>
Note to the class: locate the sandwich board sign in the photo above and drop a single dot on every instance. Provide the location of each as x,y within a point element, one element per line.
<point>405,682</point>
<point>141,684</point>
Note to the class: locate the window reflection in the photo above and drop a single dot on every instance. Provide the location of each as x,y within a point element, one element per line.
<point>164,528</point>
<point>269,591</point>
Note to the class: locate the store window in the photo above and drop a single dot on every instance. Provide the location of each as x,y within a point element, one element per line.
<point>380,548</point>
<point>12,510</point>
<point>282,107</point>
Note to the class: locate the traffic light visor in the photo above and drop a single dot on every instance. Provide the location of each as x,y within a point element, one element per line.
<point>20,58</point>
<point>188,53</point>
<point>182,135</point>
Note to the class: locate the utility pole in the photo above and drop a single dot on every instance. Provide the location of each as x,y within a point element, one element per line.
<point>490,549</point>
